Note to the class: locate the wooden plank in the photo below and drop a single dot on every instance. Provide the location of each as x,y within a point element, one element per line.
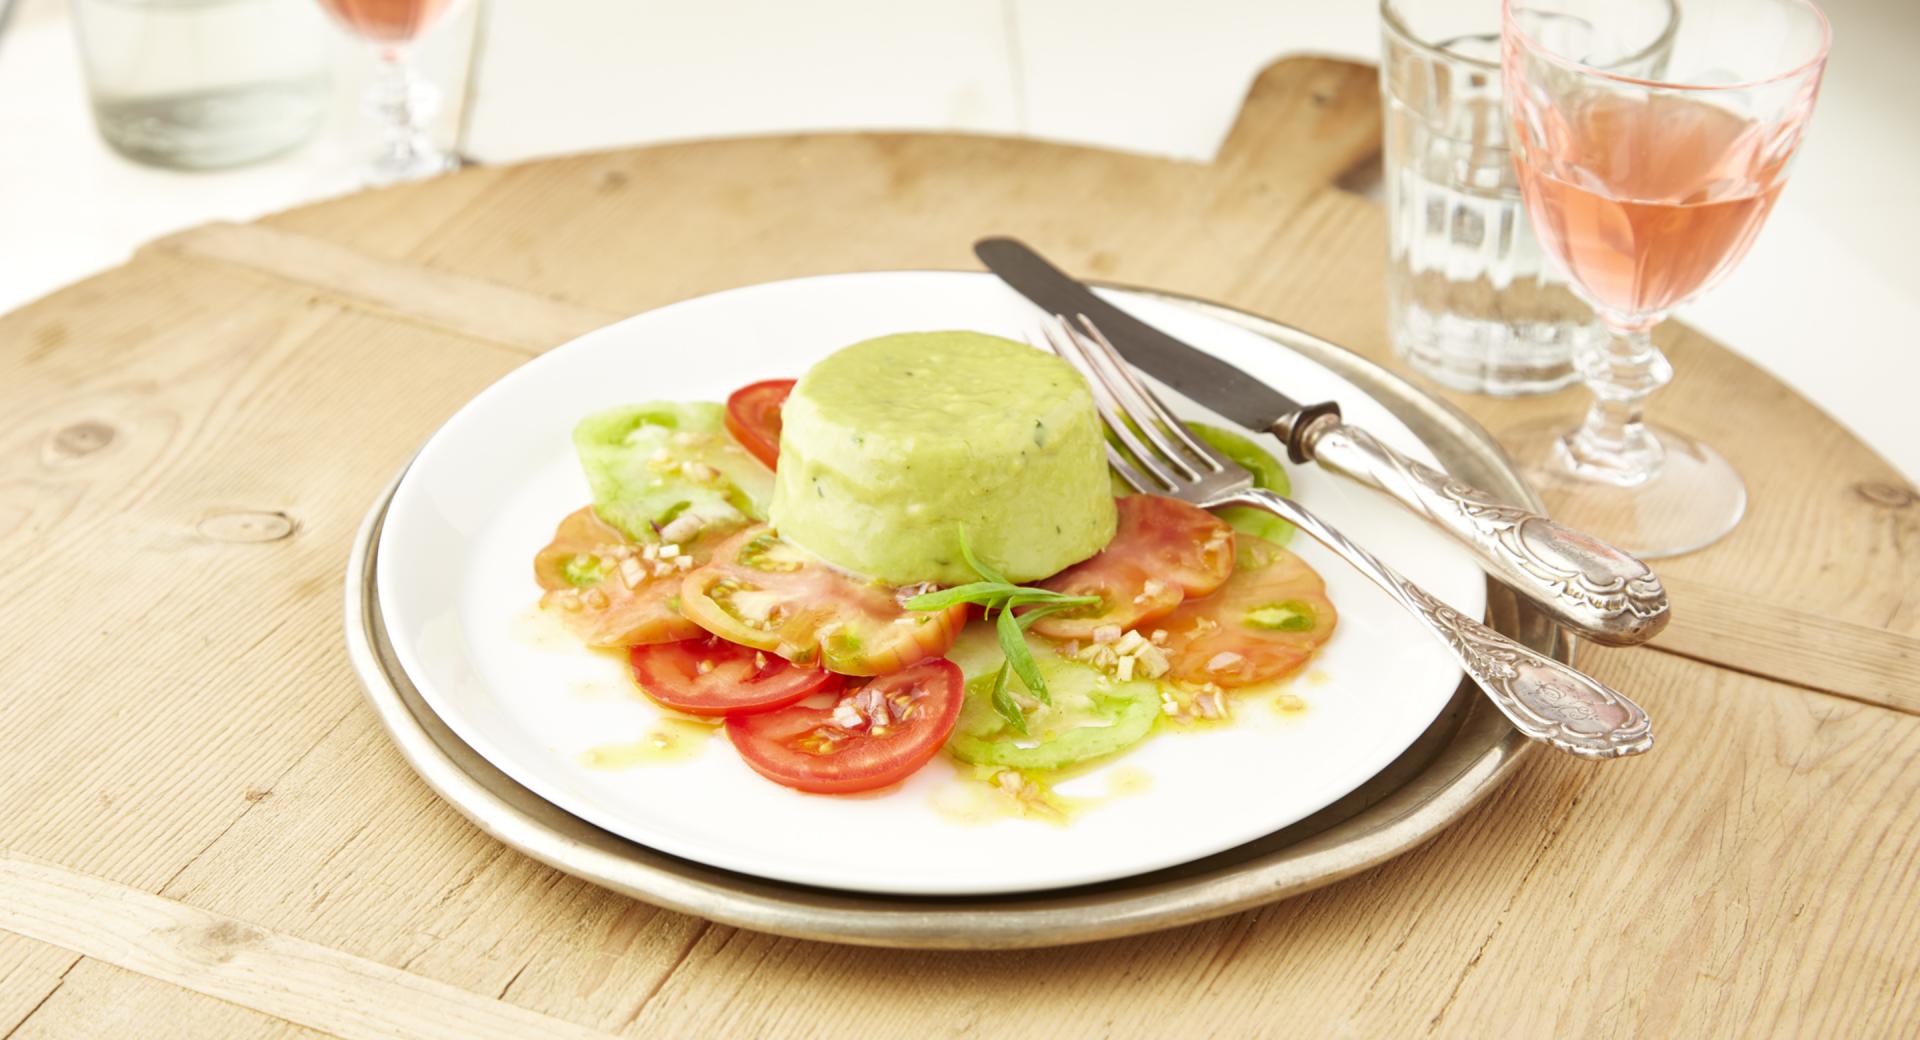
<point>30,972</point>
<point>1774,640</point>
<point>485,311</point>
<point>236,961</point>
<point>1754,880</point>
<point>100,1000</point>
<point>414,885</point>
<point>189,428</point>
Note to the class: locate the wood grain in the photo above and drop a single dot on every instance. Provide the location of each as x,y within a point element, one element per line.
<point>30,972</point>
<point>497,313</point>
<point>187,444</point>
<point>98,999</point>
<point>220,956</point>
<point>1774,640</point>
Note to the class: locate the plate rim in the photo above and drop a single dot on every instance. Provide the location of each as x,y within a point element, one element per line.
<point>1256,873</point>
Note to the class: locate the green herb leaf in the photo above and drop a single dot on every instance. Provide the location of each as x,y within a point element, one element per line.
<point>1013,643</point>
<point>982,592</point>
<point>966,553</point>
<point>1003,703</point>
<point>994,594</point>
<point>1027,618</point>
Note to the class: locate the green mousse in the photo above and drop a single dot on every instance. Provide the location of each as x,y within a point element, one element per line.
<point>889,447</point>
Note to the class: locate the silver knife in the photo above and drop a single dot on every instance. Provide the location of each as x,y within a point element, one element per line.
<point>1582,582</point>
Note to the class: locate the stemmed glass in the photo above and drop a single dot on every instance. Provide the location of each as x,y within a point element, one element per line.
<point>1646,192</point>
<point>399,97</point>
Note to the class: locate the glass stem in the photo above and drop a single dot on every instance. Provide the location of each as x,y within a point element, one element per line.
<point>403,102</point>
<point>1614,444</point>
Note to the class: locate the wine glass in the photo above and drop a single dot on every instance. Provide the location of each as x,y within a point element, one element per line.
<point>399,97</point>
<point>1645,192</point>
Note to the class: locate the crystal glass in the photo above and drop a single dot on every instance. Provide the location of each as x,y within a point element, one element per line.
<point>1645,192</point>
<point>400,98</point>
<point>1471,303</point>
<point>199,84</point>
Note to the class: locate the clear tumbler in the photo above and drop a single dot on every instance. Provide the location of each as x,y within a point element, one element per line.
<point>1471,302</point>
<point>197,84</point>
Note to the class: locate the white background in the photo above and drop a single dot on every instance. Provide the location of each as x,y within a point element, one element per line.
<point>1829,298</point>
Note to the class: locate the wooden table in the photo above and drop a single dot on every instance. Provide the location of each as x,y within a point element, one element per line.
<point>203,831</point>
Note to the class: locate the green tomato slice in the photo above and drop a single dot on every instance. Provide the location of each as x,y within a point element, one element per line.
<point>650,463</point>
<point>1092,715</point>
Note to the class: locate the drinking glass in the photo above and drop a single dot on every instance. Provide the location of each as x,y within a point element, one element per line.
<point>399,96</point>
<point>1471,303</point>
<point>203,84</point>
<point>1646,192</point>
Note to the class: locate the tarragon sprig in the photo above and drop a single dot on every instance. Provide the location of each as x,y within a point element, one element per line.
<point>1000,597</point>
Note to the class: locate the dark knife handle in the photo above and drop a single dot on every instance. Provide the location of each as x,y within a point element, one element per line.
<point>1585,584</point>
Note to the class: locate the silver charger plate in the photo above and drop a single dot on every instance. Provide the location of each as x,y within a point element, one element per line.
<point>1461,757</point>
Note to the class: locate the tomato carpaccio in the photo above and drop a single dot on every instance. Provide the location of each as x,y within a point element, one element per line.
<point>761,592</point>
<point>1164,551</point>
<point>710,676</point>
<point>610,591</point>
<point>878,733</point>
<point>1263,624</point>
<point>753,417</point>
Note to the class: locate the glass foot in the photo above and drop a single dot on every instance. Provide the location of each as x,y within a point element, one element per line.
<point>396,166</point>
<point>1692,500</point>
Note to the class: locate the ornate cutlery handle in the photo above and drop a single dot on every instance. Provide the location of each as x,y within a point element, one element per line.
<point>1544,699</point>
<point>1591,587</point>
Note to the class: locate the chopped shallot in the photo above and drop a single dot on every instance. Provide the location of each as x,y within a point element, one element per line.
<point>1223,660</point>
<point>682,527</point>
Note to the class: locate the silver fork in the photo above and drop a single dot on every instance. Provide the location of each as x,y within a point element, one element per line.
<point>1546,700</point>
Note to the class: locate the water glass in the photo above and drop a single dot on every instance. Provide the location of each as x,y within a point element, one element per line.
<point>1471,301</point>
<point>197,84</point>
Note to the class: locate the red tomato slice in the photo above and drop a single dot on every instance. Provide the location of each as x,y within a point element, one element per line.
<point>761,592</point>
<point>1263,624</point>
<point>711,676</point>
<point>753,417</point>
<point>878,734</point>
<point>1164,551</point>
<point>605,591</point>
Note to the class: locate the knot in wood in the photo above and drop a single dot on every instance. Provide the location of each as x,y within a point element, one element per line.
<point>81,439</point>
<point>220,941</point>
<point>247,526</point>
<point>1881,494</point>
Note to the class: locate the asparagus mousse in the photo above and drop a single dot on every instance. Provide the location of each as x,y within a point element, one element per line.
<point>891,446</point>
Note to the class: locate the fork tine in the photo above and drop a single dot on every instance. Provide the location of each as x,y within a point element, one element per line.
<point>1061,340</point>
<point>1118,461</point>
<point>1147,400</point>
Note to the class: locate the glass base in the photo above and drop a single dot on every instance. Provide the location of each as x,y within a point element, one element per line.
<point>1691,501</point>
<point>396,167</point>
<point>1500,358</point>
<point>212,129</point>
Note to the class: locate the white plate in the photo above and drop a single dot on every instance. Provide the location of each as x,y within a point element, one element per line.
<point>456,588</point>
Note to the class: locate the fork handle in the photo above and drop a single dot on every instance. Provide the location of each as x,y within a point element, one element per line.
<point>1543,698</point>
<point>1582,582</point>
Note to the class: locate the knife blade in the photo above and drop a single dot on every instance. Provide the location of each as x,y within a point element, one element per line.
<point>1193,372</point>
<point>1581,581</point>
